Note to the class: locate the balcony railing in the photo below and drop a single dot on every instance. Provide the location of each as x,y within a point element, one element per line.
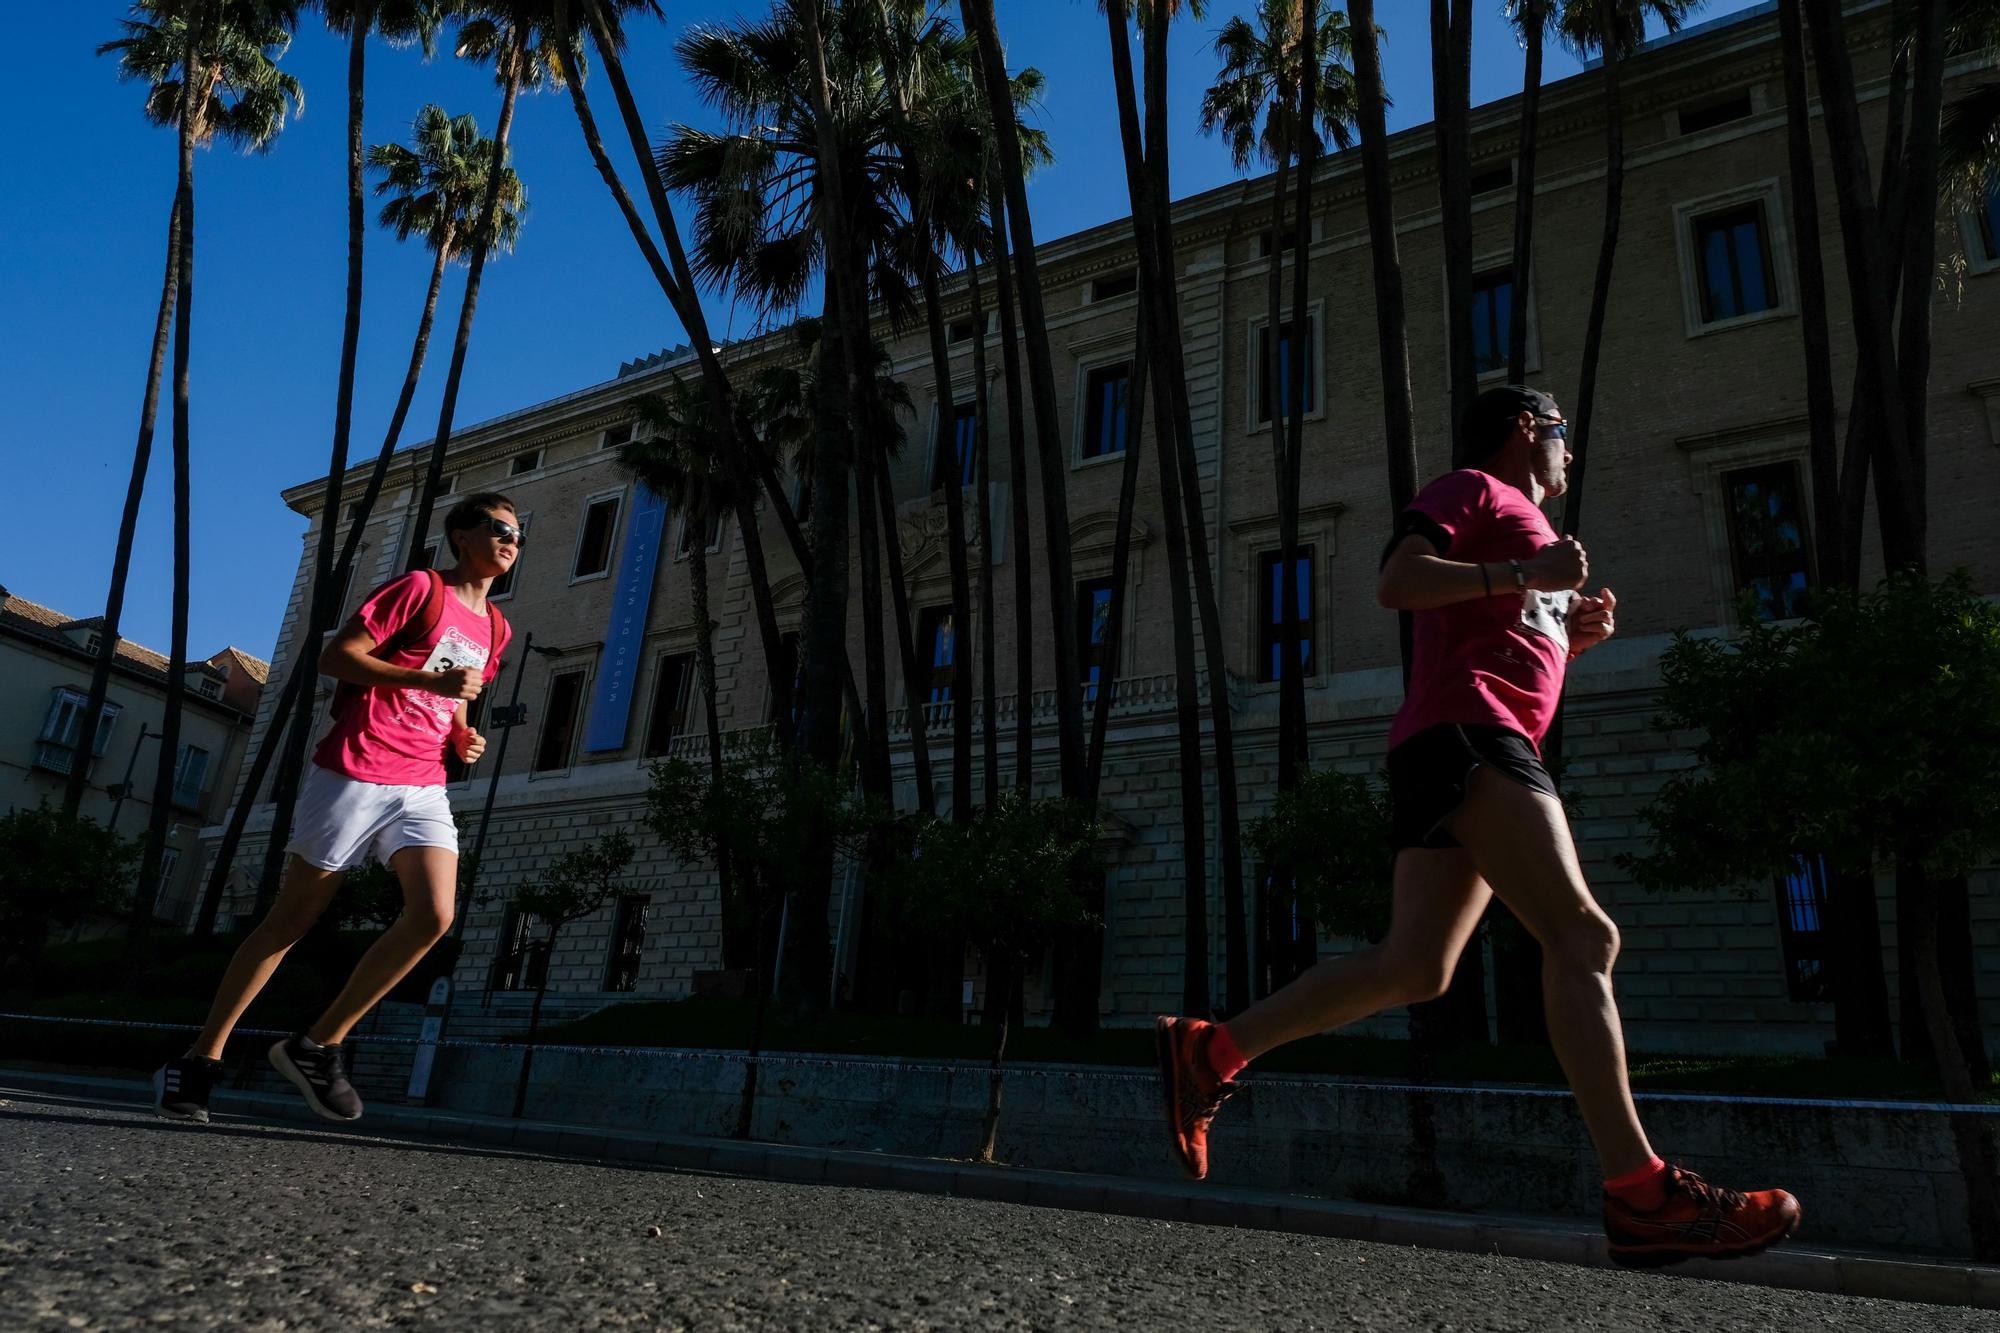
<point>53,757</point>
<point>187,796</point>
<point>1131,696</point>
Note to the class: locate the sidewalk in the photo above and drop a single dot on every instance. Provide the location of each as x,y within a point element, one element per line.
<point>1842,1272</point>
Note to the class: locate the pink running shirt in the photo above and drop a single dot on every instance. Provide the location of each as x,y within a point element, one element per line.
<point>1492,661</point>
<point>396,735</point>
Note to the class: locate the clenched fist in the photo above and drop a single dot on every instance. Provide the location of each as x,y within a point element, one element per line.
<point>1558,567</point>
<point>469,744</point>
<point>1592,620</point>
<point>461,683</point>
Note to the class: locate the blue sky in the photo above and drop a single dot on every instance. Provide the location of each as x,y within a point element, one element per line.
<point>84,227</point>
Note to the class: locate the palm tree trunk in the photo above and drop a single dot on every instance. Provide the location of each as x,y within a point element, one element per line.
<point>321,602</point>
<point>1049,450</point>
<point>1021,537</point>
<point>1121,558</point>
<point>1861,230</point>
<point>1154,289</point>
<point>1451,90</point>
<point>170,727</point>
<point>1584,408</point>
<point>681,294</point>
<point>1534,24</point>
<point>874,666</point>
<point>1810,275</point>
<point>982,447</point>
<point>1283,406</point>
<point>128,523</point>
<point>1919,193</point>
<point>961,586</point>
<point>1172,375</point>
<point>906,628</point>
<point>300,672</point>
<point>482,245</point>
<point>586,119</point>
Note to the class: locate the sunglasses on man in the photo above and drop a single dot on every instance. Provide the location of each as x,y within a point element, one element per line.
<point>1555,426</point>
<point>506,531</point>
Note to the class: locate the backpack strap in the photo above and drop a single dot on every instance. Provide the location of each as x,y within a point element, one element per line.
<point>423,622</point>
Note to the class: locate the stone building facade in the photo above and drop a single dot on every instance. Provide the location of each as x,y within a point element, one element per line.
<point>1699,419</point>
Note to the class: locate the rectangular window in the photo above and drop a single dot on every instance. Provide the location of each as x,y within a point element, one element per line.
<point>1106,413</point>
<point>593,543</point>
<point>209,687</point>
<point>802,497</point>
<point>59,727</point>
<point>1733,250</point>
<point>673,686</point>
<point>616,436</point>
<point>1093,632</point>
<point>628,941</point>
<point>1270,614</point>
<point>1696,119</point>
<point>1492,309</point>
<point>685,546</point>
<point>1289,238</point>
<point>170,860</point>
<point>1117,284</point>
<point>936,647</point>
<point>518,962</point>
<point>1769,546</point>
<point>786,677</point>
<point>190,768</point>
<point>1802,929</point>
<point>1989,224</point>
<point>964,441</point>
<point>559,722</point>
<point>527,462</point>
<point>1495,178</point>
<point>1289,365</point>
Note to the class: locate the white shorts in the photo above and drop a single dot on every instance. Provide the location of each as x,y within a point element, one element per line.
<point>339,820</point>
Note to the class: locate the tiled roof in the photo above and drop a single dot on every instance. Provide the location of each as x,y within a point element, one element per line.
<point>52,626</point>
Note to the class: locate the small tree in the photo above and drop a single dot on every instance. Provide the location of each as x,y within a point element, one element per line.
<point>1334,828</point>
<point>578,885</point>
<point>1863,734</point>
<point>56,873</point>
<point>1007,884</point>
<point>769,814</point>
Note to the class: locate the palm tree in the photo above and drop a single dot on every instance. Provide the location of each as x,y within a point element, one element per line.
<point>212,71</point>
<point>436,189</point>
<point>1533,20</point>
<point>1050,454</point>
<point>1613,29</point>
<point>528,51</point>
<point>1264,74</point>
<point>399,22</point>
<point>1451,126</point>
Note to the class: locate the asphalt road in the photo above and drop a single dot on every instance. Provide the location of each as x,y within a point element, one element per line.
<point>111,1219</point>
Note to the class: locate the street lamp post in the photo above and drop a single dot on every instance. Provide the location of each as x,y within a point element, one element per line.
<point>125,787</point>
<point>509,720</point>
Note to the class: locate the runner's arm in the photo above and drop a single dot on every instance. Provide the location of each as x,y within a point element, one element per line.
<point>348,659</point>
<point>1416,578</point>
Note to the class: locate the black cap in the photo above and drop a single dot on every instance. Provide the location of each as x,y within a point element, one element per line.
<point>1490,418</point>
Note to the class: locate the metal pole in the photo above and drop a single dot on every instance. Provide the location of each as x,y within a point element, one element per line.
<point>492,790</point>
<point>125,787</point>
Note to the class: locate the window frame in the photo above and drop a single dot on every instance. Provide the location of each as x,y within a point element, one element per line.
<point>941,677</point>
<point>1270,632</point>
<point>615,498</point>
<point>181,797</point>
<point>1086,646</point>
<point>536,769</point>
<point>627,907</point>
<point>683,548</point>
<point>1254,366</point>
<point>604,440</point>
<point>1973,228</point>
<point>1710,458</point>
<point>540,457</point>
<point>1126,280</point>
<point>1086,371</point>
<point>681,705</point>
<point>1767,194</point>
<point>1740,575</point>
<point>1498,373</point>
<point>1793,942</point>
<point>961,408</point>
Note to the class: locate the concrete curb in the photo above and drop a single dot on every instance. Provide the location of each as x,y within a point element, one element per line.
<point>1832,1272</point>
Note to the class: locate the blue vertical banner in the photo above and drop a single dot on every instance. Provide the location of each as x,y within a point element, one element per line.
<point>625,635</point>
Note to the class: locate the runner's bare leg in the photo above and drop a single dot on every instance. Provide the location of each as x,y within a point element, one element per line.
<point>306,891</point>
<point>429,876</point>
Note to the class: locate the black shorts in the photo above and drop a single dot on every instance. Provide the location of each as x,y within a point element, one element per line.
<point>1429,771</point>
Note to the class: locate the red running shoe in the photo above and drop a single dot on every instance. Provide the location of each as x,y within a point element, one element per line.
<point>1697,1221</point>
<point>1193,1091</point>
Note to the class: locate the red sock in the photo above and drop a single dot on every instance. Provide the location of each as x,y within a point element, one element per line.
<point>1223,1056</point>
<point>1644,1189</point>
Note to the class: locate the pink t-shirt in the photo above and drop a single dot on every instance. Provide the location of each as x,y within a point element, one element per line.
<point>396,735</point>
<point>1492,661</point>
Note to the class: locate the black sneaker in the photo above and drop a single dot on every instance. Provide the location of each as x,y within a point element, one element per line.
<point>320,1073</point>
<point>181,1088</point>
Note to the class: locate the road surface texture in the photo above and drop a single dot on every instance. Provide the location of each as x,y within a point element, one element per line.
<point>110,1219</point>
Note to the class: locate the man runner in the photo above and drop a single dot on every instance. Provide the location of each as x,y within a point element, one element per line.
<point>1497,618</point>
<point>416,653</point>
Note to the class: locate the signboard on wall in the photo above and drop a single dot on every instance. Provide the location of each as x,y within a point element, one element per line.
<point>625,635</point>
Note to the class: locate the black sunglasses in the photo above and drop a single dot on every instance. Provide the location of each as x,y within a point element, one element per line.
<point>1560,427</point>
<point>506,531</point>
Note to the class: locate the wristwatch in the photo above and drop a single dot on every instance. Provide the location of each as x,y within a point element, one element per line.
<point>1520,576</point>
